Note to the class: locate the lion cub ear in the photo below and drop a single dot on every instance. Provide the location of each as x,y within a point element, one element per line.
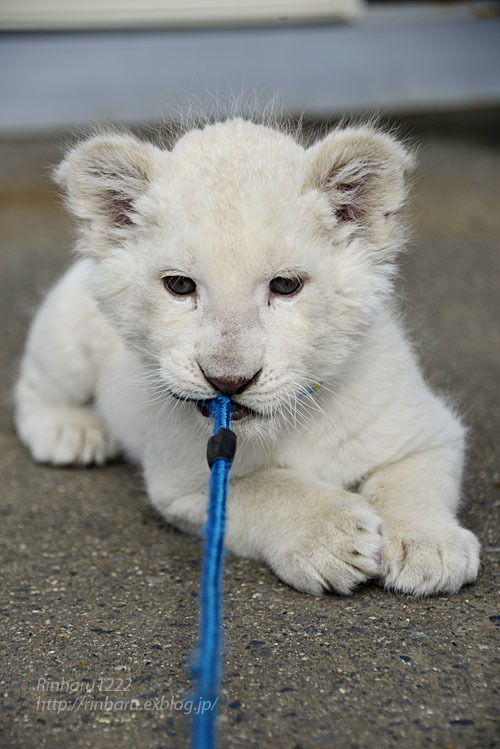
<point>103,178</point>
<point>363,173</point>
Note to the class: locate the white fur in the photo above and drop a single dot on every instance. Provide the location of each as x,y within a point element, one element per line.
<point>358,480</point>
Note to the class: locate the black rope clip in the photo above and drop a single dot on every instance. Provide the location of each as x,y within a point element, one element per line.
<point>221,446</point>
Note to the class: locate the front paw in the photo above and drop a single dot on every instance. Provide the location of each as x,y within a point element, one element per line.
<point>335,547</point>
<point>425,562</point>
<point>64,435</point>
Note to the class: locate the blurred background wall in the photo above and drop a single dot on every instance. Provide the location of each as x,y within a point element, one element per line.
<point>70,64</point>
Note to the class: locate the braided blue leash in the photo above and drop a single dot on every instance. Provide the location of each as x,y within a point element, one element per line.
<point>220,453</point>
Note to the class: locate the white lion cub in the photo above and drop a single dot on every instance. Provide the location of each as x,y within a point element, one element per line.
<point>241,262</point>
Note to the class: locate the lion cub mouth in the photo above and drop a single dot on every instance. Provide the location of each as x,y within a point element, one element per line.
<point>238,411</point>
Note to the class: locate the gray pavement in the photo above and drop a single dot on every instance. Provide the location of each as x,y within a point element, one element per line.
<point>99,593</point>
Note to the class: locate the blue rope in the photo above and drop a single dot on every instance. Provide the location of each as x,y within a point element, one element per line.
<point>207,670</point>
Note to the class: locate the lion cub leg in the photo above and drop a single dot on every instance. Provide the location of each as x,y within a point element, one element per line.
<point>54,415</point>
<point>426,549</point>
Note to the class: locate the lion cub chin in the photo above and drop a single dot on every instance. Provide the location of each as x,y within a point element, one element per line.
<point>242,262</point>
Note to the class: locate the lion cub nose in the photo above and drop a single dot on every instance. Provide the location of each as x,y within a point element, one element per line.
<point>230,385</point>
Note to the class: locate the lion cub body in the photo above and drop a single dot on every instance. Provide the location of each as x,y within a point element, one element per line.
<point>183,290</point>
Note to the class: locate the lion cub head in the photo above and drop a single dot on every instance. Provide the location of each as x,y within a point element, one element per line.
<point>240,261</point>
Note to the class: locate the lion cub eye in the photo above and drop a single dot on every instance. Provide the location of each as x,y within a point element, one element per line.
<point>286,286</point>
<point>179,285</point>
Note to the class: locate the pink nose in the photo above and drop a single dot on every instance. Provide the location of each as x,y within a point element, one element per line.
<point>230,385</point>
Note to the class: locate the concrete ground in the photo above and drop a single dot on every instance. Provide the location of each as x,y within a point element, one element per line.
<point>99,594</point>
